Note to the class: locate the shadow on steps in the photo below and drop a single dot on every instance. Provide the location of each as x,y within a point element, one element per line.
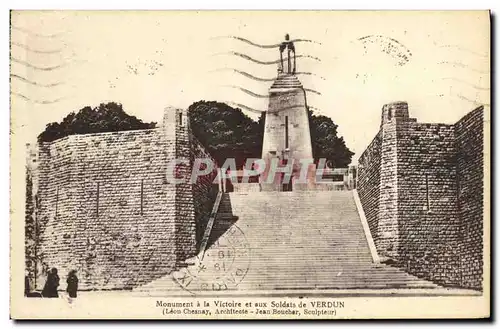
<point>224,220</point>
<point>221,225</point>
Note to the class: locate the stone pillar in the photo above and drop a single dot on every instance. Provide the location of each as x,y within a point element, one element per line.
<point>387,240</point>
<point>176,127</point>
<point>286,134</point>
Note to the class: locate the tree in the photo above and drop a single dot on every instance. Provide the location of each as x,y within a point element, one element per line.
<point>104,118</point>
<point>226,132</point>
<point>326,144</point>
<point>229,133</point>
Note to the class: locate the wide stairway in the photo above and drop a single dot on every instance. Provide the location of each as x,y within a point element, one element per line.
<point>268,241</point>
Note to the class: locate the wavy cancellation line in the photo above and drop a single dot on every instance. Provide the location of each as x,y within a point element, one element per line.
<point>55,35</point>
<point>462,65</point>
<point>251,109</point>
<point>464,49</point>
<point>245,107</point>
<point>42,102</point>
<point>471,100</point>
<point>253,94</point>
<point>261,45</point>
<point>46,68</point>
<point>312,91</point>
<point>36,83</point>
<point>475,86</point>
<point>67,61</point>
<point>253,77</point>
<point>310,73</point>
<point>245,74</point>
<point>246,91</point>
<point>25,47</point>
<point>285,58</point>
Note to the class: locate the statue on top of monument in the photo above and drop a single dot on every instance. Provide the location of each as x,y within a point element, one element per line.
<point>287,44</point>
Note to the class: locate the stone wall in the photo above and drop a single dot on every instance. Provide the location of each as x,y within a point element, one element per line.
<point>193,200</point>
<point>369,180</point>
<point>430,182</point>
<point>394,115</point>
<point>185,229</point>
<point>108,209</point>
<point>429,230</point>
<point>470,160</point>
<point>204,189</point>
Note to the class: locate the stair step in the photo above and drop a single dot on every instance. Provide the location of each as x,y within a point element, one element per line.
<point>302,240</point>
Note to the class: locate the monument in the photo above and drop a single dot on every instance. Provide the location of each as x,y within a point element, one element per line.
<point>287,138</point>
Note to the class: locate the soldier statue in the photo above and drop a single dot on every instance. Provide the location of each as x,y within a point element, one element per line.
<point>289,46</point>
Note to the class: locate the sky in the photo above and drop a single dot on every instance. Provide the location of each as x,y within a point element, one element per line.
<point>62,61</point>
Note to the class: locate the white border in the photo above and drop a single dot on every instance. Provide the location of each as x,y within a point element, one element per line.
<point>191,4</point>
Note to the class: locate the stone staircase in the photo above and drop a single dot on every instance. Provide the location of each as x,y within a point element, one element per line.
<point>269,241</point>
<point>286,81</point>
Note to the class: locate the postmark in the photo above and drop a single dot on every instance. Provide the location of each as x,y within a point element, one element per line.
<point>223,267</point>
<point>392,47</point>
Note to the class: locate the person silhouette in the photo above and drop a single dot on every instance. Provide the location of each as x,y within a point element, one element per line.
<point>50,287</point>
<point>72,282</point>
<point>27,285</point>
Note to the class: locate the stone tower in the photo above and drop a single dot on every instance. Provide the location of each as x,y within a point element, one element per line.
<point>393,116</point>
<point>287,138</point>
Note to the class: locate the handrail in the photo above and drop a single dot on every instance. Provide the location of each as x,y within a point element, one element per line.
<point>210,224</point>
<point>366,228</point>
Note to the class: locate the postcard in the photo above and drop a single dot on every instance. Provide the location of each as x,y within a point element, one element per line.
<point>250,164</point>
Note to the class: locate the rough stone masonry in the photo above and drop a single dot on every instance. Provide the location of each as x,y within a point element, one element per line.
<point>421,187</point>
<point>106,208</point>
